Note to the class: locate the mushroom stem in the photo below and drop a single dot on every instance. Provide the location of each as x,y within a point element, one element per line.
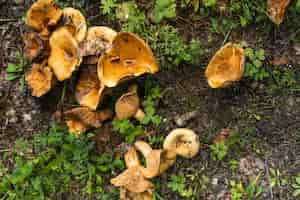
<point>139,115</point>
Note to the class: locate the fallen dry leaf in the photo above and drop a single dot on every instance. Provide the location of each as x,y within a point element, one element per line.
<point>276,10</point>
<point>282,60</point>
<point>222,136</point>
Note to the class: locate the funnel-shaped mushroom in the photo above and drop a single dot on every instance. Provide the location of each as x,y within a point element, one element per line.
<point>276,10</point>
<point>183,141</point>
<point>89,89</point>
<point>128,105</point>
<point>33,45</point>
<point>76,23</point>
<point>167,159</point>
<point>98,40</point>
<point>39,79</point>
<point>226,66</point>
<point>127,195</point>
<point>42,15</point>
<point>152,159</point>
<point>64,56</point>
<point>81,119</point>
<point>129,56</point>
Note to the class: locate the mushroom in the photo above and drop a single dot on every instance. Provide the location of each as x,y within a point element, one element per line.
<point>42,15</point>
<point>152,159</point>
<point>81,119</point>
<point>89,89</point>
<point>127,195</point>
<point>64,56</point>
<point>128,105</point>
<point>226,66</point>
<point>34,45</point>
<point>167,159</point>
<point>183,141</point>
<point>76,23</point>
<point>98,40</point>
<point>39,79</point>
<point>129,56</point>
<point>276,10</point>
<point>132,179</point>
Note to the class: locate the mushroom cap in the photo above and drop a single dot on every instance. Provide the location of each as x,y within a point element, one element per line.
<point>152,159</point>
<point>133,180</point>
<point>81,119</point>
<point>76,23</point>
<point>98,40</point>
<point>128,104</point>
<point>89,89</point>
<point>131,158</point>
<point>39,79</point>
<point>167,159</point>
<point>43,14</point>
<point>276,10</point>
<point>64,56</point>
<point>127,195</point>
<point>226,66</point>
<point>129,56</point>
<point>33,45</point>
<point>184,141</point>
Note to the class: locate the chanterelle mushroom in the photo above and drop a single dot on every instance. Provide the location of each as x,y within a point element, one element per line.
<point>89,89</point>
<point>183,141</point>
<point>129,56</point>
<point>226,66</point>
<point>128,105</point>
<point>33,45</point>
<point>39,79</point>
<point>98,40</point>
<point>127,195</point>
<point>76,23</point>
<point>42,15</point>
<point>276,10</point>
<point>167,159</point>
<point>81,119</point>
<point>64,56</point>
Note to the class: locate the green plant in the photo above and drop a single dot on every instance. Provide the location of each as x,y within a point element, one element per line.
<point>276,179</point>
<point>237,190</point>
<point>194,3</point>
<point>60,161</point>
<point>254,64</point>
<point>107,6</point>
<point>16,70</point>
<point>209,3</point>
<point>178,184</point>
<point>296,185</point>
<point>218,150</point>
<point>127,129</point>
<point>233,164</point>
<point>164,9</point>
<point>253,190</point>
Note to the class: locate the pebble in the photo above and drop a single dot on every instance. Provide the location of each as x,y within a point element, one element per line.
<point>214,181</point>
<point>27,117</point>
<point>182,120</point>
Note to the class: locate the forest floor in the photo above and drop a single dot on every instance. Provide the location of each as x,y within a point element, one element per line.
<point>264,114</point>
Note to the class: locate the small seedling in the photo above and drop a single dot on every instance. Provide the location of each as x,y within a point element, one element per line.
<point>164,9</point>
<point>218,150</point>
<point>233,165</point>
<point>127,129</point>
<point>296,185</point>
<point>16,70</point>
<point>254,65</point>
<point>276,179</point>
<point>178,184</point>
<point>237,190</point>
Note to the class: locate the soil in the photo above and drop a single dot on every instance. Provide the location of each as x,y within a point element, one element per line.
<point>268,122</point>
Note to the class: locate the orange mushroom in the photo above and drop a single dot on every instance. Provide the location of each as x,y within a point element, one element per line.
<point>276,10</point>
<point>89,89</point>
<point>64,56</point>
<point>81,119</point>
<point>127,195</point>
<point>129,56</point>
<point>42,15</point>
<point>128,105</point>
<point>76,23</point>
<point>226,66</point>
<point>98,40</point>
<point>39,79</point>
<point>34,45</point>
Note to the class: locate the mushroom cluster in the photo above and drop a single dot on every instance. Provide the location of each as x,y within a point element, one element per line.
<point>59,42</point>
<point>134,182</point>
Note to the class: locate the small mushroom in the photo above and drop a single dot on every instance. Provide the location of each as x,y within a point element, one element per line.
<point>98,40</point>
<point>76,23</point>
<point>226,66</point>
<point>81,119</point>
<point>64,56</point>
<point>276,10</point>
<point>152,159</point>
<point>167,159</point>
<point>183,141</point>
<point>39,79</point>
<point>34,45</point>
<point>89,89</point>
<point>128,105</point>
<point>129,57</point>
<point>42,15</point>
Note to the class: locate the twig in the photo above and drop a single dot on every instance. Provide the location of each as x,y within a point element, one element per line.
<point>8,20</point>
<point>268,176</point>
